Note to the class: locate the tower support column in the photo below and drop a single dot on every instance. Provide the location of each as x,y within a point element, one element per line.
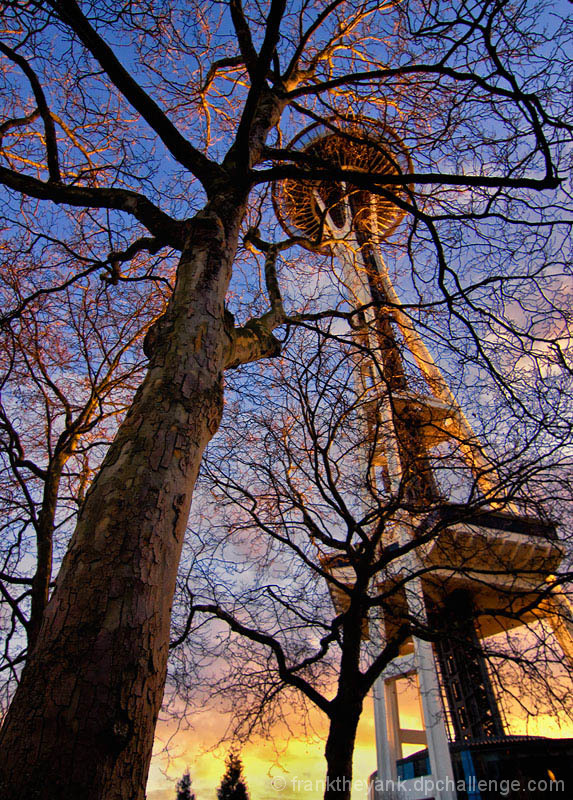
<point>439,783</point>
<point>557,608</point>
<point>441,769</point>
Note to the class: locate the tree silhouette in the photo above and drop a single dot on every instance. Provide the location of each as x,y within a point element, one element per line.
<point>184,788</point>
<point>233,786</point>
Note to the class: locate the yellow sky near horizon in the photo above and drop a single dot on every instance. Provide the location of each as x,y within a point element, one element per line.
<point>288,766</point>
<point>284,768</point>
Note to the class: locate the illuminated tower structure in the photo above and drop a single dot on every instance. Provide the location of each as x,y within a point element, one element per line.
<point>479,575</point>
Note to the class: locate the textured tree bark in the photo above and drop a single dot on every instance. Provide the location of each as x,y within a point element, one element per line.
<point>82,721</point>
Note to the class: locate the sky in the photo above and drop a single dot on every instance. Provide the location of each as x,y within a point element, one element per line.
<point>292,768</point>
<point>275,769</point>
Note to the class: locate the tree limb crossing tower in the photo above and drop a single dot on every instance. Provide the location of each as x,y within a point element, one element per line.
<point>480,574</point>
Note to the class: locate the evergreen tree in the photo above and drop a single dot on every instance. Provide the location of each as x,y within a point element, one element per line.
<point>233,786</point>
<point>184,788</point>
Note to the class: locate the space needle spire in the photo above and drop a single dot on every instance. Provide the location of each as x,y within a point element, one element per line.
<point>484,571</point>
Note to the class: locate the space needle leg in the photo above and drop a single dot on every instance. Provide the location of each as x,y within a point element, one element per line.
<point>441,769</point>
<point>560,617</point>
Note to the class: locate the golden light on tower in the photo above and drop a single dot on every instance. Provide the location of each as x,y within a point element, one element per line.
<point>358,145</point>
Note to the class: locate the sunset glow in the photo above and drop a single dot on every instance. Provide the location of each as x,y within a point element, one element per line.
<point>277,769</point>
<point>288,768</point>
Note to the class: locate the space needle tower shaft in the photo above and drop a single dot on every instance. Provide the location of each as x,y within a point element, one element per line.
<point>489,564</point>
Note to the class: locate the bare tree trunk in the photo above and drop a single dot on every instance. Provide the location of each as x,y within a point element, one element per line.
<point>82,721</point>
<point>340,748</point>
<point>44,543</point>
